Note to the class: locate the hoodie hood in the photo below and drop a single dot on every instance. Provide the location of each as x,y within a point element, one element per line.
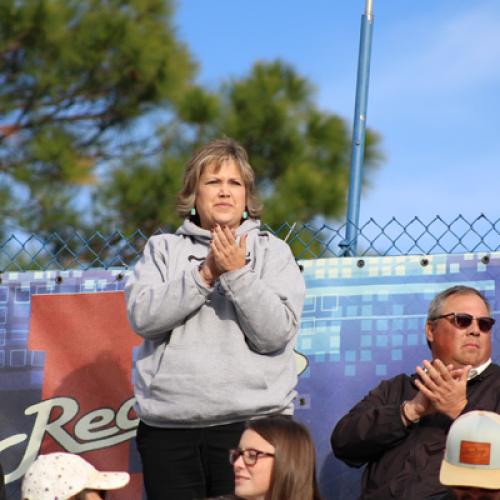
<point>204,236</point>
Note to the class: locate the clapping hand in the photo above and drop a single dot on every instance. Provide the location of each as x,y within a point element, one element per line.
<point>225,254</point>
<point>228,255</point>
<point>442,389</point>
<point>443,386</point>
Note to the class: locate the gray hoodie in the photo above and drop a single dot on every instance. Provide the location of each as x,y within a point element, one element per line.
<point>214,355</point>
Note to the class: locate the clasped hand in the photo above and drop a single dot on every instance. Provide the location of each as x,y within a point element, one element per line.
<point>225,254</point>
<point>442,389</point>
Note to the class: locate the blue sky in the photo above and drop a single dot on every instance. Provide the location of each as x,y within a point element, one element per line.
<point>434,86</point>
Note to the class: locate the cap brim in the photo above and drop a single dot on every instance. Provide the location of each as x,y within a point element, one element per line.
<point>108,480</point>
<point>455,475</point>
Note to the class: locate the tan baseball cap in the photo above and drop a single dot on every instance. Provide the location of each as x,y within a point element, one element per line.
<point>472,455</point>
<point>58,476</point>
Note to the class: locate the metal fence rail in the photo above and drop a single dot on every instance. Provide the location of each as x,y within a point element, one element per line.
<point>23,252</point>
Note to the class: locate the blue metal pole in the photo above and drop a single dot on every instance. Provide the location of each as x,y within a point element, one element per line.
<point>350,243</point>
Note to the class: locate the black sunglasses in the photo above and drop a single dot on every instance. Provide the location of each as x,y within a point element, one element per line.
<point>250,456</point>
<point>464,320</point>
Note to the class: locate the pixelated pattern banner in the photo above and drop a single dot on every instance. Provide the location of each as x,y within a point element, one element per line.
<point>67,355</point>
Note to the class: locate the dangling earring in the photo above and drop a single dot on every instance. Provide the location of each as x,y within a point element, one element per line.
<point>193,211</point>
<point>245,215</point>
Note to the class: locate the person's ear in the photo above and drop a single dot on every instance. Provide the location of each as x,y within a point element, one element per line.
<point>429,331</point>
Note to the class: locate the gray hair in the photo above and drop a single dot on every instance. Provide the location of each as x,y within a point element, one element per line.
<point>435,307</point>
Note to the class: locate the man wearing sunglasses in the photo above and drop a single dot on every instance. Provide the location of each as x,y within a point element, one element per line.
<point>399,429</point>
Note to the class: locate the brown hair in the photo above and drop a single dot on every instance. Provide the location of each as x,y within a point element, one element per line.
<point>216,153</point>
<point>294,471</point>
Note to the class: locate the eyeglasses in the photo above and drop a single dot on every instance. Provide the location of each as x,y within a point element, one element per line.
<point>464,320</point>
<point>250,456</point>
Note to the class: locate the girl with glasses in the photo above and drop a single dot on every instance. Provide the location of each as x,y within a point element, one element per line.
<point>275,460</point>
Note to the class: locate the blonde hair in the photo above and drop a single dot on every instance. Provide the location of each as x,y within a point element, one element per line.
<point>216,153</point>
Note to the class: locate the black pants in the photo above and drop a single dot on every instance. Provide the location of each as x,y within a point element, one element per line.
<point>2,485</point>
<point>187,464</point>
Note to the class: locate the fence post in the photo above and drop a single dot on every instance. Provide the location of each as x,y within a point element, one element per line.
<point>350,243</point>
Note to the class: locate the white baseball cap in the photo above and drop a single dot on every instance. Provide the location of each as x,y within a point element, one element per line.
<point>472,455</point>
<point>58,476</point>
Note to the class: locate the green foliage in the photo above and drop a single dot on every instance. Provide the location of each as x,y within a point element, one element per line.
<point>98,115</point>
<point>73,75</point>
<point>142,196</point>
<point>300,154</point>
<point>199,107</point>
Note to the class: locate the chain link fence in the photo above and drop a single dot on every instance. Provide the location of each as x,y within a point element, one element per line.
<point>392,237</point>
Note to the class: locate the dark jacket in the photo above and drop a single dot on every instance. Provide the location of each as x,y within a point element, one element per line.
<point>403,462</point>
<point>2,484</point>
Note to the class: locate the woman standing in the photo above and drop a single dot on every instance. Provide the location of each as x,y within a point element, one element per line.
<point>218,304</point>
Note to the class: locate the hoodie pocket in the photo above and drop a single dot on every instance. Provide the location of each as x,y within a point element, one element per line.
<point>204,385</point>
